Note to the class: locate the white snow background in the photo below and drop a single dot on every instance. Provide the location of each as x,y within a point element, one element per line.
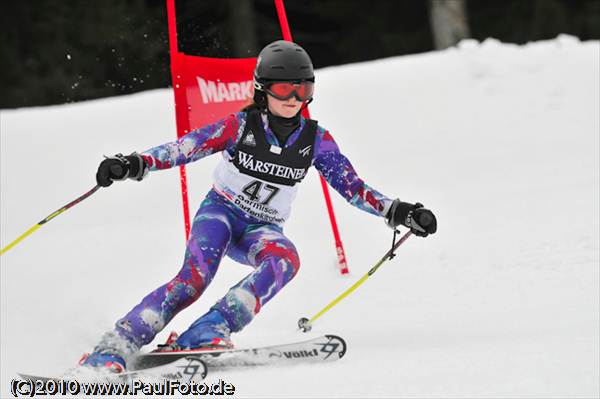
<point>500,141</point>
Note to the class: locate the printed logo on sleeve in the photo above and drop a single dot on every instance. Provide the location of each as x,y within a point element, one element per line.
<point>250,140</point>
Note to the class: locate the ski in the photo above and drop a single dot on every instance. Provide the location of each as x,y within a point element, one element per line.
<point>187,366</point>
<point>320,349</point>
<point>184,369</point>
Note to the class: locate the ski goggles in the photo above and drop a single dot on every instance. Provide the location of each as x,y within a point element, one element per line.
<point>303,91</point>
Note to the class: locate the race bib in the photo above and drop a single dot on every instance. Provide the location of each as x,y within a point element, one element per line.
<point>266,201</point>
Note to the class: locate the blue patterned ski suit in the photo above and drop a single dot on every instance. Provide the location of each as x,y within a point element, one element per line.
<point>221,228</point>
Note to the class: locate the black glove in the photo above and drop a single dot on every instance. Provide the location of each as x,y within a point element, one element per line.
<point>121,167</point>
<point>419,220</point>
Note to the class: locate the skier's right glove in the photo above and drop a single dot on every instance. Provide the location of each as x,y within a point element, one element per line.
<point>121,167</point>
<point>419,220</point>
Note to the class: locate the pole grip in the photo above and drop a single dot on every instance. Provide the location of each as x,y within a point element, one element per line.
<point>116,170</point>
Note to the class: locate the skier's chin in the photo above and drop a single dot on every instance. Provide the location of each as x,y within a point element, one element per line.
<point>289,111</point>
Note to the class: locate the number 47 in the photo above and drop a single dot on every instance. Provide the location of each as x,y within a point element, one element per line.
<point>253,189</point>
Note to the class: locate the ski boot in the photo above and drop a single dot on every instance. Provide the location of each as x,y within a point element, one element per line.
<point>209,332</point>
<point>110,362</point>
<point>110,353</point>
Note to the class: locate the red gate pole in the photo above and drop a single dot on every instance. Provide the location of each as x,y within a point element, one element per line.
<point>183,123</point>
<point>341,255</point>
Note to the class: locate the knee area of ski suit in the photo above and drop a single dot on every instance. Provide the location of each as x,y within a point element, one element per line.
<point>264,247</point>
<point>276,263</point>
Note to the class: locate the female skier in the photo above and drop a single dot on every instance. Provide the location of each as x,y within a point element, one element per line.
<point>267,150</point>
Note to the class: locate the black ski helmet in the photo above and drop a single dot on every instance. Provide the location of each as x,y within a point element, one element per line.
<point>280,61</point>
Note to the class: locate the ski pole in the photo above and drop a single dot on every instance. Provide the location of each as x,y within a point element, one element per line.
<point>305,324</point>
<point>48,218</point>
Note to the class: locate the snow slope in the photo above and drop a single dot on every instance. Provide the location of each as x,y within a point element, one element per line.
<point>501,141</point>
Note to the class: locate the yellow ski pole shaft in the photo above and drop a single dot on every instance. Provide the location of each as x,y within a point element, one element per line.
<point>306,324</point>
<point>48,218</point>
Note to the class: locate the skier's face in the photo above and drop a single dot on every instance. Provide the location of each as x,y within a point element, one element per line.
<point>284,108</point>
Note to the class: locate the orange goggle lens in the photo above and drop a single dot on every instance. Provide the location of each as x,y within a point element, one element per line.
<point>285,90</point>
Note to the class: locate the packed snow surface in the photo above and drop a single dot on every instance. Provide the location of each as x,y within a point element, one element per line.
<point>500,141</point>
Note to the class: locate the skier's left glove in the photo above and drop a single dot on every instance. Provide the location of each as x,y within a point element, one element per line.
<point>119,167</point>
<point>419,220</point>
